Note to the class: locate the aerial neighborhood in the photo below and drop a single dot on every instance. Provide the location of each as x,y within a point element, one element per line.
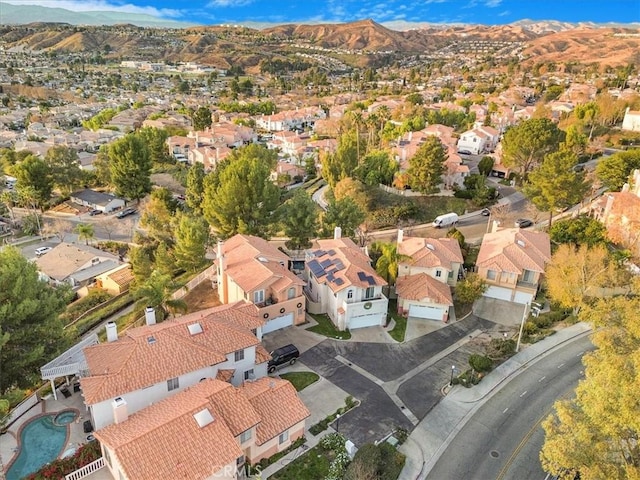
<point>305,260</point>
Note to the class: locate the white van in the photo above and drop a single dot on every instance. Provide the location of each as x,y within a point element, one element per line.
<point>445,220</point>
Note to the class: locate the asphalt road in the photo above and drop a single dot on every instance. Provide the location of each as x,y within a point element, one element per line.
<point>503,438</point>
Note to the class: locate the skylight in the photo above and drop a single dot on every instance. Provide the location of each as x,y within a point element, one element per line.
<point>203,417</point>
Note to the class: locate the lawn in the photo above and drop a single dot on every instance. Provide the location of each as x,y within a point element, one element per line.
<point>400,327</point>
<point>327,328</point>
<point>300,380</point>
<point>312,465</point>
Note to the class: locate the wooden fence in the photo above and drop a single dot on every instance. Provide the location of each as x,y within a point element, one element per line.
<point>207,274</point>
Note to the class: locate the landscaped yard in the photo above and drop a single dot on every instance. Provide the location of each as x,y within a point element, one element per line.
<point>400,328</point>
<point>327,328</point>
<point>314,464</point>
<point>300,380</point>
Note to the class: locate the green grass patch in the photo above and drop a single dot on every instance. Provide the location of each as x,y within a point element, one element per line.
<point>313,464</point>
<point>323,424</point>
<point>400,328</point>
<point>300,380</point>
<point>327,328</point>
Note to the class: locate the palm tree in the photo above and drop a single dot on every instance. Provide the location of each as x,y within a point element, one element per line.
<point>357,121</point>
<point>157,292</point>
<point>387,264</point>
<point>85,232</point>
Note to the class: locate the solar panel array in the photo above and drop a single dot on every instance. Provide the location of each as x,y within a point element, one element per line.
<point>328,266</point>
<point>366,278</point>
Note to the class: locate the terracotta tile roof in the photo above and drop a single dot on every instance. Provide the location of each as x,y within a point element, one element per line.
<point>514,250</point>
<point>165,440</point>
<point>277,403</point>
<point>422,287</point>
<point>356,265</point>
<point>123,275</point>
<point>444,252</point>
<point>262,355</point>
<point>252,262</point>
<point>151,354</point>
<point>225,374</point>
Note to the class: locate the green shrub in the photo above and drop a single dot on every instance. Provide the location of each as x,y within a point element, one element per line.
<point>480,363</point>
<point>376,462</point>
<point>95,297</point>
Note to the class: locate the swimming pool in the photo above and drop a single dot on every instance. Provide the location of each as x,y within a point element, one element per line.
<point>41,441</point>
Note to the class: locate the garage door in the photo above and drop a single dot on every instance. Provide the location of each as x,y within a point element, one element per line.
<point>523,297</point>
<point>425,311</point>
<point>365,321</point>
<point>499,293</point>
<point>277,323</point>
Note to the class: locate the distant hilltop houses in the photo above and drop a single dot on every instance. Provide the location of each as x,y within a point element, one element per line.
<point>188,67</point>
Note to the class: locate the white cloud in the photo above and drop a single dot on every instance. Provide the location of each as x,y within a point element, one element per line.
<point>504,14</point>
<point>100,5</point>
<point>229,3</point>
<point>492,3</point>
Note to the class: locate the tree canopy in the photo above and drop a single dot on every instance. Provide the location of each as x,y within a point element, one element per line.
<point>579,231</point>
<point>201,119</point>
<point>426,167</point>
<point>191,234</point>
<point>31,331</point>
<point>614,171</point>
<point>195,187</point>
<point>554,184</point>
<point>241,198</point>
<point>525,145</point>
<point>299,218</point>
<point>64,168</point>
<point>130,167</point>
<point>345,214</point>
<point>34,177</point>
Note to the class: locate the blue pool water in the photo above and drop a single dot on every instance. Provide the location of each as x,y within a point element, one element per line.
<point>41,441</point>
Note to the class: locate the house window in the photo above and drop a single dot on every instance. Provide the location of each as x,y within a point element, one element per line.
<point>528,276</point>
<point>291,293</point>
<point>284,436</point>
<point>438,273</point>
<point>173,383</point>
<point>491,274</point>
<point>258,297</point>
<point>254,331</point>
<point>240,461</point>
<point>369,292</point>
<point>450,275</point>
<point>350,294</point>
<point>248,374</point>
<point>239,355</point>
<point>245,436</point>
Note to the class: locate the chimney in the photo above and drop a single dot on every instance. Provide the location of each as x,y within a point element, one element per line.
<point>120,413</point>
<point>150,315</point>
<point>222,277</point>
<point>112,332</point>
<point>494,226</point>
<point>337,233</point>
<point>410,135</point>
<point>400,236</point>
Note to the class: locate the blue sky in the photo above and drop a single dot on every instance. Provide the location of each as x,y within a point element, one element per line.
<point>313,11</point>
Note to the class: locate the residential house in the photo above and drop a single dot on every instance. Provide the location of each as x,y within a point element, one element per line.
<point>421,296</point>
<point>342,284</point>
<point>105,202</point>
<point>482,139</point>
<point>620,213</point>
<point>631,120</point>
<point>152,362</point>
<point>206,431</point>
<point>116,281</point>
<point>250,268</point>
<point>512,262</point>
<point>298,119</point>
<point>75,264</point>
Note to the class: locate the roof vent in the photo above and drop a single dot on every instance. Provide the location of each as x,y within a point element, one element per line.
<point>195,328</point>
<point>521,243</point>
<point>272,384</point>
<point>430,247</point>
<point>262,259</point>
<point>203,417</point>
<point>151,340</point>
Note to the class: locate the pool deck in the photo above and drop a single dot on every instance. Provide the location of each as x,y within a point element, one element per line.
<point>76,437</point>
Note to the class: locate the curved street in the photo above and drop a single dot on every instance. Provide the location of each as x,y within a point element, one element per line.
<point>503,438</point>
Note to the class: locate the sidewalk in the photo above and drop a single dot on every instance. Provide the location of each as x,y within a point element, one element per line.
<point>433,434</point>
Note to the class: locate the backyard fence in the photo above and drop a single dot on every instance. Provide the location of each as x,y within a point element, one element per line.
<point>22,408</point>
<point>195,281</point>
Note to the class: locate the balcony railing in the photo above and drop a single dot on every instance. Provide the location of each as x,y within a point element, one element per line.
<point>86,470</point>
<point>522,283</point>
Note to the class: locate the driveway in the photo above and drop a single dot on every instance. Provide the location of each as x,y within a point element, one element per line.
<point>393,389</point>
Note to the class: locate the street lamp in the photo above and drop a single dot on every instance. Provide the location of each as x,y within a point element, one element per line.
<point>338,423</point>
<point>453,369</point>
<point>524,317</point>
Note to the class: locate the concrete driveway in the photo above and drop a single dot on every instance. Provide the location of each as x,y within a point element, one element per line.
<point>499,311</point>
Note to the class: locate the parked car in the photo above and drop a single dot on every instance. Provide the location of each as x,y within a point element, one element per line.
<point>282,356</point>
<point>95,212</point>
<point>485,212</point>
<point>42,250</point>
<point>523,223</point>
<point>126,212</point>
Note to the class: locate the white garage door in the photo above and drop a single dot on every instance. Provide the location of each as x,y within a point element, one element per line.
<point>425,311</point>
<point>499,293</point>
<point>523,297</point>
<point>365,321</point>
<point>277,323</point>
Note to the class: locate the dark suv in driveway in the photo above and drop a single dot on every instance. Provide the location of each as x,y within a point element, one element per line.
<point>126,212</point>
<point>283,356</point>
